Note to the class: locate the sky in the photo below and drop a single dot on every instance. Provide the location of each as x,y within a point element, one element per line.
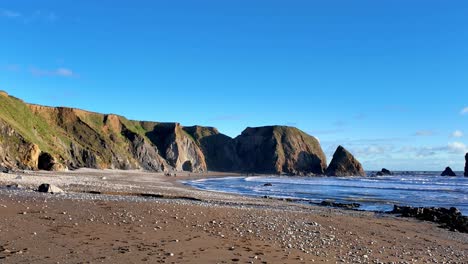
<point>386,79</point>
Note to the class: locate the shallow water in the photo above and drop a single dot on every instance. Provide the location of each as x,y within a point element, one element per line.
<point>373,193</point>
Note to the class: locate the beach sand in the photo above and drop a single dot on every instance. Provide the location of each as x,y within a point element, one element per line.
<point>151,218</point>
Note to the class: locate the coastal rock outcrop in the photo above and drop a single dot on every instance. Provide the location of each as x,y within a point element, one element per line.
<point>176,146</point>
<point>451,218</point>
<point>448,172</point>
<point>384,172</point>
<point>466,165</point>
<point>37,137</point>
<point>344,164</point>
<point>279,149</point>
<point>15,150</point>
<point>219,150</point>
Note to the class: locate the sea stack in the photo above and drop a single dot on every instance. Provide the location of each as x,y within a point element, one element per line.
<point>466,165</point>
<point>448,172</point>
<point>344,164</point>
<point>280,150</point>
<point>384,172</point>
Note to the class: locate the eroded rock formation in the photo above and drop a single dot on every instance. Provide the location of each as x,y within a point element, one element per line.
<point>344,164</point>
<point>466,165</point>
<point>448,172</point>
<point>279,149</point>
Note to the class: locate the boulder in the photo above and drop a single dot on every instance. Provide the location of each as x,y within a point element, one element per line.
<point>344,164</point>
<point>466,165</point>
<point>384,172</point>
<point>448,172</point>
<point>4,170</point>
<point>49,188</point>
<point>450,218</point>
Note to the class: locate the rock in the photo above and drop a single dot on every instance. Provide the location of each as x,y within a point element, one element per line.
<point>340,205</point>
<point>344,164</point>
<point>218,149</point>
<point>450,218</point>
<point>267,184</point>
<point>448,172</point>
<point>177,147</point>
<point>4,170</point>
<point>384,172</point>
<point>48,188</point>
<point>74,138</point>
<point>14,186</point>
<point>279,149</point>
<point>466,165</point>
<point>146,153</point>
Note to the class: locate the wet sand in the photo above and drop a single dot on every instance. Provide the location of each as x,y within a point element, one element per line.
<point>176,224</point>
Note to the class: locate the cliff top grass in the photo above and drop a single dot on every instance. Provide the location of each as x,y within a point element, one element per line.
<point>32,127</point>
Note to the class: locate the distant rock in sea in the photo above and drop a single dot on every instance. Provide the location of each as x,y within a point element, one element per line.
<point>448,172</point>
<point>344,164</point>
<point>466,165</point>
<point>384,172</point>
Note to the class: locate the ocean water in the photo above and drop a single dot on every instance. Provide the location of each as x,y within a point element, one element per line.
<point>373,193</point>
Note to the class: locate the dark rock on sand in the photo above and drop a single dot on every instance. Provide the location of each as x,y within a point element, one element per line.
<point>4,170</point>
<point>448,172</point>
<point>340,205</point>
<point>450,218</point>
<point>344,164</point>
<point>49,188</point>
<point>384,172</point>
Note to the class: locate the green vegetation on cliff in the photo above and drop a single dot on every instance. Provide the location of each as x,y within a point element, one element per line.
<point>74,138</point>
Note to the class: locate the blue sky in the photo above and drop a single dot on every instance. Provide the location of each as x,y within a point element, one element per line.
<point>386,79</point>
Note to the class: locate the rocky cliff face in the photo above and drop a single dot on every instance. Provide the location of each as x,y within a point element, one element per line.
<point>39,137</point>
<point>176,146</point>
<point>219,150</point>
<point>344,164</point>
<point>279,149</point>
<point>59,138</point>
<point>15,150</point>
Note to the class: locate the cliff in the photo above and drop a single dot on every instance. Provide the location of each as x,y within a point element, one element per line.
<point>280,149</point>
<point>59,138</point>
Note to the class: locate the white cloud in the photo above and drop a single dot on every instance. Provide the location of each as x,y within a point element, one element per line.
<point>38,15</point>
<point>424,133</point>
<point>457,134</point>
<point>9,13</point>
<point>62,72</point>
<point>457,147</point>
<point>464,111</point>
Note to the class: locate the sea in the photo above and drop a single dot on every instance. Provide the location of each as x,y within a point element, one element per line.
<point>381,193</point>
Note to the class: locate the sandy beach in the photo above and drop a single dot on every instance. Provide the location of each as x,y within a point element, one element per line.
<point>137,217</point>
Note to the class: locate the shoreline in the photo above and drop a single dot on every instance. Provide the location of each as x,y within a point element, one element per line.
<point>209,227</point>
